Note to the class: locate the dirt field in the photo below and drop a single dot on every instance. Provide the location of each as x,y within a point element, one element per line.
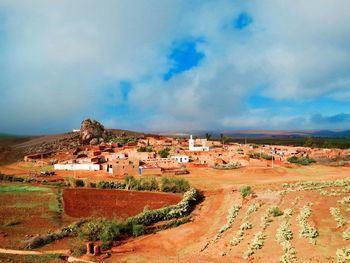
<point>26,212</point>
<point>113,203</point>
<point>198,240</point>
<point>184,243</point>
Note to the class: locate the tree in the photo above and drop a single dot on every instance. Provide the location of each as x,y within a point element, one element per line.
<point>222,138</point>
<point>309,142</point>
<point>208,136</point>
<point>164,153</point>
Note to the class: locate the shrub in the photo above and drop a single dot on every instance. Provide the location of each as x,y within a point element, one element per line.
<point>306,230</point>
<point>110,231</point>
<point>79,183</point>
<point>175,185</point>
<point>245,190</point>
<point>164,153</point>
<point>343,254</point>
<point>137,230</point>
<point>110,185</point>
<point>228,166</point>
<point>301,160</point>
<point>232,214</point>
<point>346,234</point>
<point>145,149</point>
<point>77,247</point>
<point>257,243</point>
<point>275,211</point>
<point>181,209</point>
<point>335,212</point>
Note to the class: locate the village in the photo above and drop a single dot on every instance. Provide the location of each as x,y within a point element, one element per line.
<point>158,155</point>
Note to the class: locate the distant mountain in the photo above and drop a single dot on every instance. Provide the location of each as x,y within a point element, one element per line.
<point>264,133</point>
<point>286,133</point>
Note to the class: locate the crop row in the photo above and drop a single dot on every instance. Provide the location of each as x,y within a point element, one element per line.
<point>343,254</point>
<point>310,185</point>
<point>335,212</point>
<point>345,200</point>
<point>232,214</point>
<point>305,229</point>
<point>284,235</point>
<point>256,244</point>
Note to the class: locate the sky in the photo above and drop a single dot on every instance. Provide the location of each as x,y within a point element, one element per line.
<point>174,65</point>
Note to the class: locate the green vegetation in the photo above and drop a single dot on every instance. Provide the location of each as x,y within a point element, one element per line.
<point>245,191</point>
<point>255,155</point>
<point>346,234</point>
<point>316,142</point>
<point>335,212</point>
<point>110,185</point>
<point>110,230</point>
<point>306,230</point>
<point>175,185</point>
<point>143,183</point>
<point>227,166</point>
<point>22,188</point>
<point>145,149</point>
<point>257,243</point>
<point>164,153</point>
<point>79,183</point>
<point>284,235</point>
<point>21,205</point>
<point>275,211</point>
<point>231,216</point>
<point>343,254</point>
<point>123,140</point>
<point>301,160</point>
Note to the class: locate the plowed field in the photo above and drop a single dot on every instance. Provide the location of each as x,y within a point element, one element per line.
<point>113,203</point>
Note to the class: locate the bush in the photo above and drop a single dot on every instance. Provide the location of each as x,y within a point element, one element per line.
<point>77,247</point>
<point>174,185</point>
<point>137,230</point>
<point>169,212</point>
<point>79,183</point>
<point>110,185</point>
<point>109,232</point>
<point>275,211</point>
<point>228,166</point>
<point>164,153</point>
<point>301,160</point>
<point>145,149</point>
<point>245,190</point>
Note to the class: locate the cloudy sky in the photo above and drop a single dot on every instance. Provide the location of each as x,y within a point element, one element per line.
<point>174,65</point>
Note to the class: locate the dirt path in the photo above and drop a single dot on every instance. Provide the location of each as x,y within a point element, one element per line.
<point>184,243</point>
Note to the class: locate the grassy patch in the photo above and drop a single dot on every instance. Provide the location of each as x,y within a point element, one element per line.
<point>22,189</point>
<point>27,205</point>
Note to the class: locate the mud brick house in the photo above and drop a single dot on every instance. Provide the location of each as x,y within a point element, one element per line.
<point>121,167</point>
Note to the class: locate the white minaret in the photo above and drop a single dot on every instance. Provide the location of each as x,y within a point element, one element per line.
<point>190,143</point>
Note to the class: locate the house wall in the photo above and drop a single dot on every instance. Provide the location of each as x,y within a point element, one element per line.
<point>77,166</point>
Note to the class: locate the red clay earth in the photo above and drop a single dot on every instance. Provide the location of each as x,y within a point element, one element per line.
<point>113,203</point>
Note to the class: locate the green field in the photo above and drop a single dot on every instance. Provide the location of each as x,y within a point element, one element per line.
<point>22,188</point>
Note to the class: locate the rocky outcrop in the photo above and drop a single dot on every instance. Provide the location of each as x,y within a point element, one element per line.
<point>92,132</point>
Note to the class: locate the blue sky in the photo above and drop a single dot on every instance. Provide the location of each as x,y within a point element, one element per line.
<point>174,65</point>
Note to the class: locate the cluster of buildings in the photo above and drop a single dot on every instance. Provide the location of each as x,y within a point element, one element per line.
<point>184,153</point>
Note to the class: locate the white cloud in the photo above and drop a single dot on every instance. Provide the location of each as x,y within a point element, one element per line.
<point>64,59</point>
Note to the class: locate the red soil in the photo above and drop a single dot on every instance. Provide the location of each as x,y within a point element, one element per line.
<point>113,203</point>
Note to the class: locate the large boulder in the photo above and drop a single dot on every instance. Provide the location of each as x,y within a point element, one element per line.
<point>92,132</point>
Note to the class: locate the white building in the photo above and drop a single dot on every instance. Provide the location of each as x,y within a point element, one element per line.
<point>180,158</point>
<point>202,148</point>
<point>77,166</point>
